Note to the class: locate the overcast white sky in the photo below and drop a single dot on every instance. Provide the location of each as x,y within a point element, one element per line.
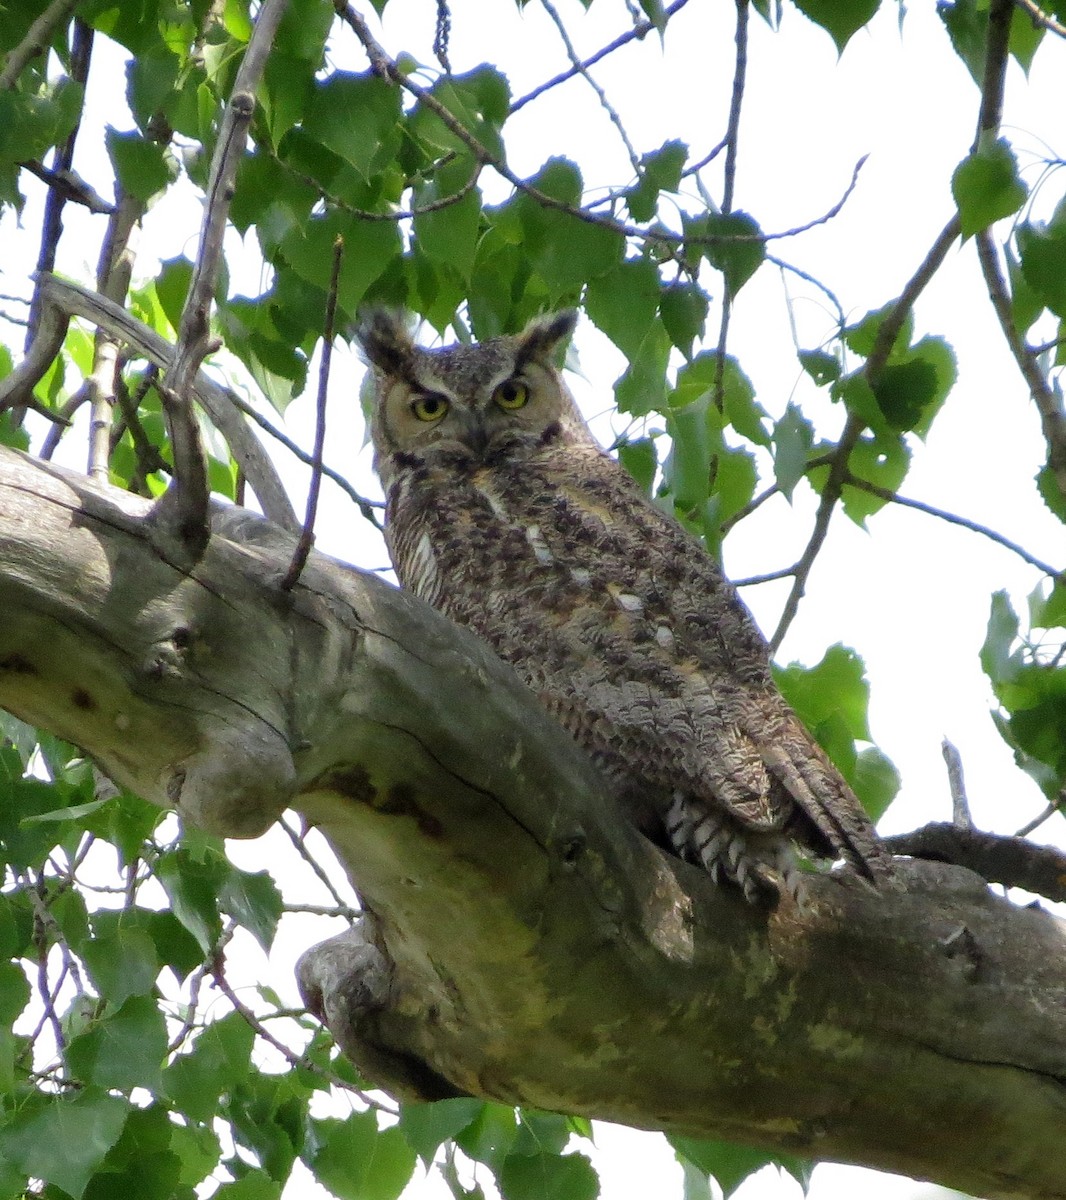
<point>912,595</point>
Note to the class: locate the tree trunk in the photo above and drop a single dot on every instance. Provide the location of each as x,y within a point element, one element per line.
<point>526,944</point>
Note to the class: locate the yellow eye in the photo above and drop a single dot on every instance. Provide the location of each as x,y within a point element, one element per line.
<point>511,394</point>
<point>429,406</point>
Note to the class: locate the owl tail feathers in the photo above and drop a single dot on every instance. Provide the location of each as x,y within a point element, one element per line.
<point>762,865</point>
<point>841,826</point>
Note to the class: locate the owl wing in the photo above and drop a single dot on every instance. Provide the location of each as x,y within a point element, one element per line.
<point>711,719</point>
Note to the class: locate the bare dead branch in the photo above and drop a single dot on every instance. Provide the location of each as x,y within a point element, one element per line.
<point>70,185</point>
<point>68,299</point>
<point>999,858</point>
<point>190,489</point>
<point>36,42</point>
<point>960,804</point>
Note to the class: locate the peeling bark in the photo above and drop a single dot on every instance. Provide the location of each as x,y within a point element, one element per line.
<point>525,944</point>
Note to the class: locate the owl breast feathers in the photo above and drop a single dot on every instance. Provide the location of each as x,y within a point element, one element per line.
<point>504,513</point>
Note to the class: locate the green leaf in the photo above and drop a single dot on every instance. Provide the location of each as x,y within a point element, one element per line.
<point>490,1136</point>
<point>875,781</point>
<point>449,234</point>
<point>253,900</point>
<point>641,460</point>
<point>906,391</point>
<point>688,468</point>
<point>841,19</point>
<point>219,1062</point>
<point>987,187</point>
<point>623,303</point>
<point>643,386</point>
<point>268,1116</point>
<point>369,248</point>
<point>999,659</point>
<point>683,311</point>
<point>478,100</point>
<point>258,1186</point>
<point>121,959</point>
<point>793,439</point>
<point>660,172</point>
<point>730,1165</point>
<point>548,1177</point>
<point>882,461</point>
<point>967,24</point>
<point>1043,255</point>
<point>823,368</point>
<point>835,687</point>
<point>427,1126</point>
<point>14,992</point>
<point>172,288</point>
<point>357,1161</point>
<point>122,1051</point>
<point>193,889</point>
<point>65,1141</point>
<point>31,124</point>
<point>862,336</point>
<point>357,117</point>
<point>144,168</point>
<point>737,251</point>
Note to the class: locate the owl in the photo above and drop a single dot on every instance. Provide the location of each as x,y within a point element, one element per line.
<point>503,512</point>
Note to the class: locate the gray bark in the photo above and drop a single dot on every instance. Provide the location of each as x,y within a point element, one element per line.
<point>525,943</point>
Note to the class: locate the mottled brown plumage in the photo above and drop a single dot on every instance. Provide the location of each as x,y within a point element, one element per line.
<point>504,513</point>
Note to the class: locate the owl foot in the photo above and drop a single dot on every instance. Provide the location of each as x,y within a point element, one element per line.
<point>713,842</point>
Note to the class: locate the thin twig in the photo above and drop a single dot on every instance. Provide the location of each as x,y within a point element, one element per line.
<point>583,71</point>
<point>307,534</point>
<point>1056,806</point>
<point>1041,18</point>
<point>953,519</point>
<point>732,148</point>
<point>769,577</point>
<point>36,42</point>
<point>838,467</point>
<point>638,32</point>
<point>388,69</point>
<point>300,1060</point>
<point>1048,404</point>
<point>62,161</point>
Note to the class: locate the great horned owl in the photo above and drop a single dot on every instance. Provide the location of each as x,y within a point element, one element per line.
<point>504,513</point>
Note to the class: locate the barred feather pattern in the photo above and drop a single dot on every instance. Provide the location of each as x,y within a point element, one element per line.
<point>517,525</point>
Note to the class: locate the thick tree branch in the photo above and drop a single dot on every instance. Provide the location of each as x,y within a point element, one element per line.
<point>526,943</point>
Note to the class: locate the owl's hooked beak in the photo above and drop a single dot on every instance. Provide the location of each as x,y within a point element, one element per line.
<point>472,432</point>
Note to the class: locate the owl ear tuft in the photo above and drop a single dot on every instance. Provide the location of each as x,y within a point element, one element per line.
<point>385,340</point>
<point>543,334</point>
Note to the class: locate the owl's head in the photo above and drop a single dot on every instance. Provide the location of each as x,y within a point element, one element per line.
<point>467,405</point>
